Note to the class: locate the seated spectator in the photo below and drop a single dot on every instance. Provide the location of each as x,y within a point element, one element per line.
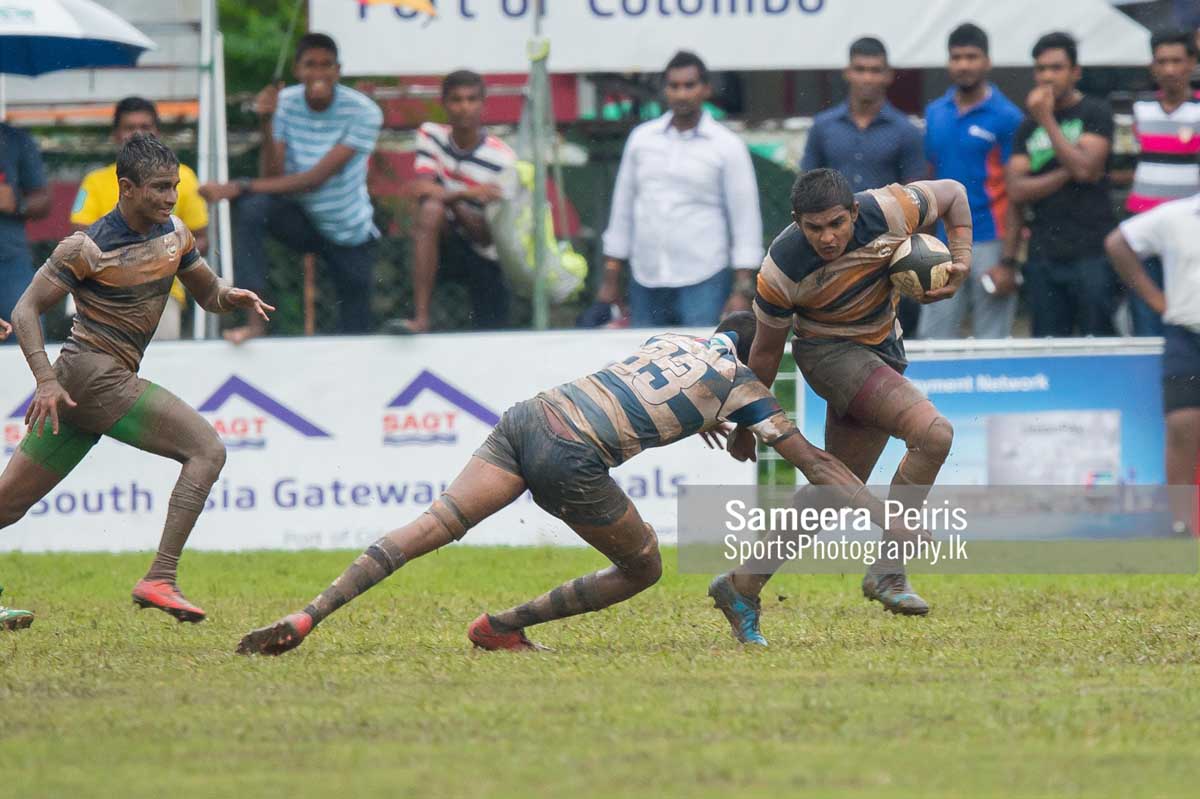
<point>98,194</point>
<point>1058,169</point>
<point>685,212</point>
<point>23,196</point>
<point>312,193</point>
<point>460,170</point>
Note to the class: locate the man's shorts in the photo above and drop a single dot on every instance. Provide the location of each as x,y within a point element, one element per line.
<point>1180,368</point>
<point>837,369</point>
<point>107,398</point>
<point>567,478</point>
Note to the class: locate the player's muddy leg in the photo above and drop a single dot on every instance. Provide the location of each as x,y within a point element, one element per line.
<point>162,424</point>
<point>480,490</point>
<point>632,547</point>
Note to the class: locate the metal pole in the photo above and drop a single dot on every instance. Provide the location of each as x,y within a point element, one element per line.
<point>224,237</point>
<point>539,51</point>
<point>204,166</point>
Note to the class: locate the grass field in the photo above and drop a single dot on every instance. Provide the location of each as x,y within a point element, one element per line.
<point>1013,687</point>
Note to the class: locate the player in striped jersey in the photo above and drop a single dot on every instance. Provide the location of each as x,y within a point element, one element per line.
<point>560,446</point>
<point>825,276</point>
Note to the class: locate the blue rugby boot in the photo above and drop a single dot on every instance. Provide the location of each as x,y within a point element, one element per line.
<point>743,612</point>
<point>894,592</point>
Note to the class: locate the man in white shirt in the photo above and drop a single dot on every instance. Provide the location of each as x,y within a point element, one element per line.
<point>1171,232</point>
<point>685,212</point>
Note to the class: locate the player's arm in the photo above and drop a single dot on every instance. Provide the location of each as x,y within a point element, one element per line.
<point>767,352</point>
<point>1128,266</point>
<point>5,330</point>
<point>1025,188</point>
<point>950,204</point>
<point>215,297</point>
<point>41,295</point>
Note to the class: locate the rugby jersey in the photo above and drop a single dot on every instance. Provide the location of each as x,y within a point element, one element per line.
<point>672,387</point>
<point>491,161</point>
<point>850,297</point>
<point>1167,167</point>
<point>120,280</point>
<point>340,208</point>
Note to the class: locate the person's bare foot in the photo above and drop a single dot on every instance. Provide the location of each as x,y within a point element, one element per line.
<point>408,327</point>
<point>240,335</point>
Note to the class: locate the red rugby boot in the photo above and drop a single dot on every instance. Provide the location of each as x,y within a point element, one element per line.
<point>481,634</point>
<point>165,595</point>
<point>275,639</point>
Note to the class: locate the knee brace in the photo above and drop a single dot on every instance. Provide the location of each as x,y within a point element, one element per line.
<point>446,511</point>
<point>934,441</point>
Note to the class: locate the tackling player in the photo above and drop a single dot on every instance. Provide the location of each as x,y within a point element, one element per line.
<point>560,446</point>
<point>826,277</point>
<point>120,272</point>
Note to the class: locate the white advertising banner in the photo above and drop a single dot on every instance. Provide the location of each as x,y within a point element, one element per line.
<point>385,37</point>
<point>332,442</point>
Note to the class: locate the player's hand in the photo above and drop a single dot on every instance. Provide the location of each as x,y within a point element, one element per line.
<point>267,100</point>
<point>958,274</point>
<point>717,437</point>
<point>8,199</point>
<point>742,445</point>
<point>1004,278</point>
<point>215,192</point>
<point>244,298</point>
<point>44,407</point>
<point>1040,102</point>
<point>5,330</point>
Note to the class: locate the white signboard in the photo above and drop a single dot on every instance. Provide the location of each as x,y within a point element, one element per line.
<point>383,38</point>
<point>333,442</point>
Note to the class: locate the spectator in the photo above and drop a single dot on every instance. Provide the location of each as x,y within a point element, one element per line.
<point>1058,170</point>
<point>968,137</point>
<point>1166,126</point>
<point>1171,231</point>
<point>98,194</point>
<point>684,212</point>
<point>317,139</point>
<point>460,170</point>
<point>23,196</point>
<point>868,139</point>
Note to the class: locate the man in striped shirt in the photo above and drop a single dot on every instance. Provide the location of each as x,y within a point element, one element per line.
<point>312,194</point>
<point>1167,127</point>
<point>460,169</point>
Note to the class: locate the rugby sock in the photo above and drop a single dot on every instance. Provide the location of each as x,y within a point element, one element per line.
<point>373,566</point>
<point>187,500</point>
<point>590,592</point>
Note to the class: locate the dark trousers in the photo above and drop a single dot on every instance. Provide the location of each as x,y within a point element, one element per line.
<point>487,290</point>
<point>352,269</point>
<point>1069,295</point>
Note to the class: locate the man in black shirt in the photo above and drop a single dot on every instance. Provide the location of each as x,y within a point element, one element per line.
<point>1058,170</point>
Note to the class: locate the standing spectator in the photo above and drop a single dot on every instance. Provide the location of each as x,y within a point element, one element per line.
<point>460,168</point>
<point>98,194</point>
<point>1171,231</point>
<point>1058,169</point>
<point>1167,127</point>
<point>868,139</point>
<point>23,196</point>
<point>685,210</point>
<point>968,137</point>
<point>312,193</point>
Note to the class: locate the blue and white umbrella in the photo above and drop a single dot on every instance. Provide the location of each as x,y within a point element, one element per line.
<point>38,36</point>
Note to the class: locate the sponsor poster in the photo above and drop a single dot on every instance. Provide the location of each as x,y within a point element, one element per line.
<point>332,442</point>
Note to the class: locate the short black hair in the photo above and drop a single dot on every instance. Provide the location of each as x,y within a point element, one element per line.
<point>819,190</point>
<point>684,59</point>
<point>142,156</point>
<point>743,326</point>
<point>968,34</point>
<point>1058,40</point>
<point>134,105</point>
<point>316,41</point>
<point>1185,38</point>
<point>868,47</point>
<point>460,78</point>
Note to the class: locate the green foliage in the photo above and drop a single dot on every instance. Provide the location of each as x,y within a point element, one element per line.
<point>254,32</point>
<point>1013,687</point>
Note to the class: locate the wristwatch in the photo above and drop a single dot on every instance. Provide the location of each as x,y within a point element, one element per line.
<point>243,185</point>
<point>1010,261</point>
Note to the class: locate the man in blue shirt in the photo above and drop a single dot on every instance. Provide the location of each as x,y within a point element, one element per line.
<point>312,196</point>
<point>868,139</point>
<point>969,137</point>
<point>23,196</point>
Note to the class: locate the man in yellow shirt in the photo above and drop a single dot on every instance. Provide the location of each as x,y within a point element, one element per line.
<point>98,195</point>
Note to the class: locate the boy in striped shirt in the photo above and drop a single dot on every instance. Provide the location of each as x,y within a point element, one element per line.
<point>312,194</point>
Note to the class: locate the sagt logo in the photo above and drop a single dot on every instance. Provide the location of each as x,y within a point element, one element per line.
<point>430,411</point>
<point>14,426</point>
<point>406,9</point>
<point>249,429</point>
